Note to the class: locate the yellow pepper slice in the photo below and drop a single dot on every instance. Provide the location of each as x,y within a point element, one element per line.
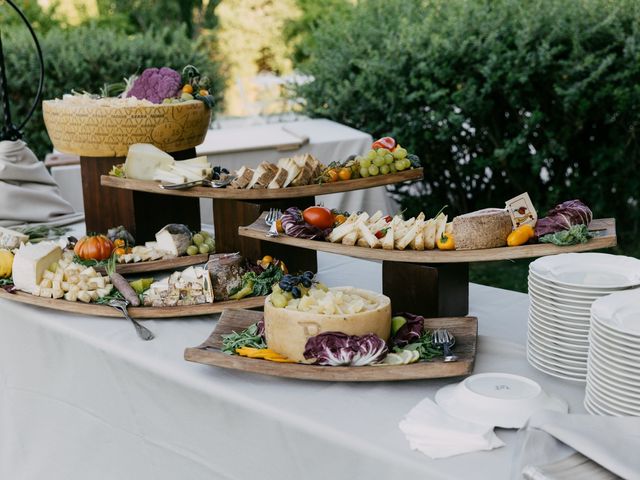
<point>520,235</point>
<point>446,242</point>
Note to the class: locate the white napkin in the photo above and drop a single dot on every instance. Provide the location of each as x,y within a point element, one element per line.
<point>435,433</point>
<point>611,442</point>
<point>28,193</point>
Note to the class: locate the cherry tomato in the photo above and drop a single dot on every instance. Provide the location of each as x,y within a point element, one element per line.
<point>344,174</point>
<point>339,219</point>
<point>332,175</point>
<point>320,217</point>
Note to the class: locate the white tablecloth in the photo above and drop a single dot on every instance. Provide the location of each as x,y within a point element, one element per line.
<point>328,141</point>
<point>83,398</point>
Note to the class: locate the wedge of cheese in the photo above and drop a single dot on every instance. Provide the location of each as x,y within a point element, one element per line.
<point>243,176</point>
<point>143,159</point>
<point>11,239</point>
<point>30,263</point>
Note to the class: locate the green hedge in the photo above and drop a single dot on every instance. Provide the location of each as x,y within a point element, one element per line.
<point>496,96</point>
<point>84,58</point>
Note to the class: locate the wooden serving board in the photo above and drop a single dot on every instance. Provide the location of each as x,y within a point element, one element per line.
<point>135,312</point>
<point>465,329</point>
<point>604,229</point>
<point>158,265</point>
<point>265,193</point>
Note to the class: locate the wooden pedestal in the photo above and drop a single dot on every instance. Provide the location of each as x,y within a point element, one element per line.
<point>436,290</point>
<point>142,213</point>
<point>229,215</point>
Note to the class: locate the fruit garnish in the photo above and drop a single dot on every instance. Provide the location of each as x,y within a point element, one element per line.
<point>384,142</point>
<point>319,217</point>
<point>397,323</point>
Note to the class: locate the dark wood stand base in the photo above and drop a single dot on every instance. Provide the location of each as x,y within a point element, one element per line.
<point>143,214</point>
<point>228,215</point>
<point>436,290</point>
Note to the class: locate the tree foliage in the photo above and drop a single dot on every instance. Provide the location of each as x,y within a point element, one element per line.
<point>496,96</point>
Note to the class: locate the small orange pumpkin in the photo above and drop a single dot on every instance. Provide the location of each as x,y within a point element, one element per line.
<point>94,247</point>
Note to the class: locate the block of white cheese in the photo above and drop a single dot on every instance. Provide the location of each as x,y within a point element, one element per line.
<point>143,159</point>
<point>11,239</point>
<point>486,228</point>
<point>174,239</point>
<point>30,262</point>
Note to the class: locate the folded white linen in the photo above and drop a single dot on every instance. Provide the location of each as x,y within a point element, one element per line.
<point>611,442</point>
<point>28,193</point>
<point>432,431</point>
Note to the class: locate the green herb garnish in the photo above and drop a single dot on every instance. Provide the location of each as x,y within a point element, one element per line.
<point>576,234</point>
<point>247,338</point>
<point>424,346</point>
<point>42,232</point>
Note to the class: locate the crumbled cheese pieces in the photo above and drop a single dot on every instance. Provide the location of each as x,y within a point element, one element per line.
<point>11,239</point>
<point>332,302</point>
<point>189,287</point>
<point>72,281</point>
<point>30,263</point>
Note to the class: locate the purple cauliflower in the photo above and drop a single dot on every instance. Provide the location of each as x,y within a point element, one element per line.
<point>156,84</point>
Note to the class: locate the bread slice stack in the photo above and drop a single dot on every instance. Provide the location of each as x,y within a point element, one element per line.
<point>296,171</point>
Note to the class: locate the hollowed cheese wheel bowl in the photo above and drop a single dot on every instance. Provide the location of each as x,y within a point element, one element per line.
<point>93,128</point>
<point>288,330</point>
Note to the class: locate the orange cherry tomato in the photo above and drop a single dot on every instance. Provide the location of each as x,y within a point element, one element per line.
<point>120,251</point>
<point>339,219</point>
<point>188,88</point>
<point>204,92</point>
<point>118,243</point>
<point>320,217</point>
<point>279,228</point>
<point>344,174</point>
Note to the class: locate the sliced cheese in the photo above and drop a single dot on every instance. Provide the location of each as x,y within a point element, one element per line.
<point>30,263</point>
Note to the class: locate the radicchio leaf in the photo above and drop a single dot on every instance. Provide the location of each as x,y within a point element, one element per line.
<point>294,225</point>
<point>410,332</point>
<point>336,348</point>
<point>563,216</point>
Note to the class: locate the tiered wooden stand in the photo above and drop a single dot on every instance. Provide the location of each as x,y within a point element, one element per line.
<point>234,208</point>
<point>434,283</point>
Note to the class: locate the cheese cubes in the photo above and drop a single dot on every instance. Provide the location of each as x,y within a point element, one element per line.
<point>30,263</point>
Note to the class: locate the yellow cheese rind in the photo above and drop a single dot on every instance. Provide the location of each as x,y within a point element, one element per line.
<point>287,331</point>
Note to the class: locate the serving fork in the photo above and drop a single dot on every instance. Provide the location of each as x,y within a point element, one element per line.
<point>121,305</point>
<point>271,218</point>
<point>442,338</point>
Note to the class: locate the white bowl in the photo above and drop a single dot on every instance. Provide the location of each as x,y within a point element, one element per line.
<point>497,399</point>
<point>580,291</point>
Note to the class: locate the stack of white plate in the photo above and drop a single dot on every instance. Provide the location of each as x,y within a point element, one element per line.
<point>561,291</point>
<point>613,376</point>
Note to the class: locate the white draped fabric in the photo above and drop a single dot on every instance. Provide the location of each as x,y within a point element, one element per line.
<point>83,398</point>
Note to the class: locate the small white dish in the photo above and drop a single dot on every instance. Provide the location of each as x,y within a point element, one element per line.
<point>614,334</point>
<point>567,326</point>
<point>594,376</point>
<point>559,312</point>
<point>498,399</point>
<point>615,341</point>
<point>580,372</point>
<point>599,270</point>
<point>556,305</point>
<point>613,403</point>
<point>623,366</point>
<point>577,363</point>
<point>616,396</point>
<point>567,293</point>
<point>595,366</point>
<point>549,295</point>
<point>555,343</point>
<point>562,353</point>
<point>555,327</point>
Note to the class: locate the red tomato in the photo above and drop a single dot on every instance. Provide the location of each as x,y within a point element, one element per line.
<point>320,217</point>
<point>384,142</point>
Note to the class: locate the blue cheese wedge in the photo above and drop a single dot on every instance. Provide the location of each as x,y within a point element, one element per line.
<point>11,239</point>
<point>30,263</point>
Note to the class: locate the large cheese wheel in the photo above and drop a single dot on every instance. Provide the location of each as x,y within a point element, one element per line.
<point>287,331</point>
<point>486,228</point>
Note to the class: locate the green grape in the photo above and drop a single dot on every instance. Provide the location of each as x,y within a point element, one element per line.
<point>211,243</point>
<point>399,165</point>
<point>371,154</point>
<point>278,300</point>
<point>407,163</point>
<point>399,153</point>
<point>192,250</point>
<point>382,152</point>
<point>204,248</point>
<point>379,161</point>
<point>392,168</point>
<point>364,172</point>
<point>373,170</point>
<point>384,169</point>
<point>366,163</point>
<point>197,239</point>
<point>204,234</point>
<point>388,158</point>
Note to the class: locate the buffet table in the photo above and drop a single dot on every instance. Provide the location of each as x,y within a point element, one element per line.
<point>83,397</point>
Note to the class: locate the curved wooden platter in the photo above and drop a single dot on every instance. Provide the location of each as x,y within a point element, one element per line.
<point>135,312</point>
<point>604,229</point>
<point>265,193</point>
<point>158,265</point>
<point>465,329</point>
